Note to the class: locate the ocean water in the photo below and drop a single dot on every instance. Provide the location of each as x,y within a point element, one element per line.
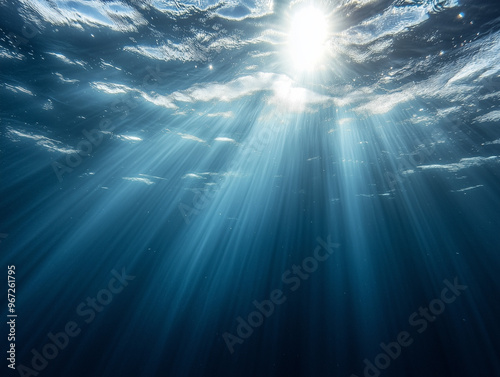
<point>250,188</point>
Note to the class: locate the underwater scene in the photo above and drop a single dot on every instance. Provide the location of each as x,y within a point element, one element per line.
<point>250,188</point>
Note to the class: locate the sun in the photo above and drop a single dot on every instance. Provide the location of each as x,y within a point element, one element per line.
<point>307,38</point>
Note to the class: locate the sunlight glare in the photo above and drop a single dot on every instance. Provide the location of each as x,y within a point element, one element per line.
<point>307,38</point>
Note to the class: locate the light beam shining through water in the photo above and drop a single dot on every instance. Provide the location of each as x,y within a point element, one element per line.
<point>250,188</point>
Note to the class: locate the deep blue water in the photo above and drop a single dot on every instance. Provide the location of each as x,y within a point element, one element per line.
<point>167,170</point>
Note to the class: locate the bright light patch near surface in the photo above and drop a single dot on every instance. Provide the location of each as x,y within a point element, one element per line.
<point>307,38</point>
